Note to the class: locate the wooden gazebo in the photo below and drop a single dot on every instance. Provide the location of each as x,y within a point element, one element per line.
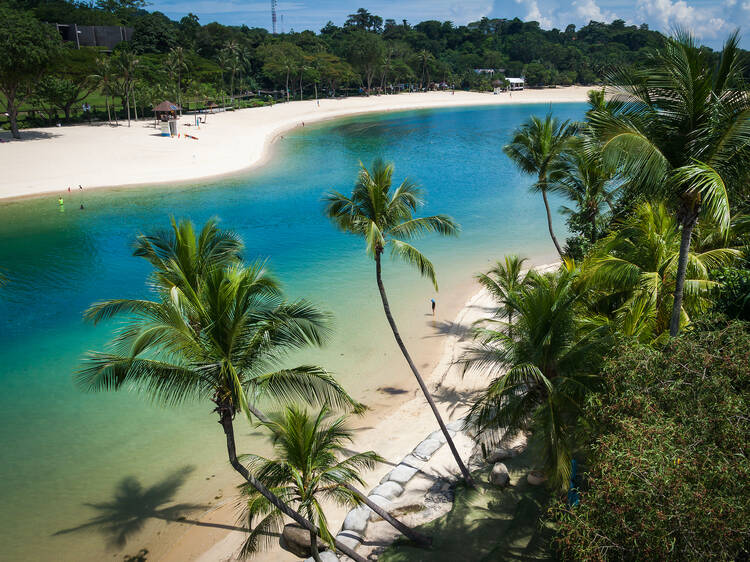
<point>166,110</point>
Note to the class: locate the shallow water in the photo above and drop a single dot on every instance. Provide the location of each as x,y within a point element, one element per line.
<point>63,449</point>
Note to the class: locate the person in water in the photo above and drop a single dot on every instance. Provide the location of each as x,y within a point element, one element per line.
<point>60,201</point>
<point>432,301</point>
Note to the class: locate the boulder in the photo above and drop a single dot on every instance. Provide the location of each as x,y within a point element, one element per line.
<point>536,478</point>
<point>426,449</point>
<point>389,490</point>
<point>296,540</point>
<point>401,474</point>
<point>325,556</point>
<point>500,475</point>
<point>350,539</point>
<point>356,520</point>
<point>502,453</point>
<point>380,501</point>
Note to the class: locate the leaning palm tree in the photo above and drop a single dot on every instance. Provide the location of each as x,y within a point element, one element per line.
<point>220,337</point>
<point>311,466</point>
<point>535,148</point>
<point>503,281</point>
<point>543,373</point>
<point>384,217</point>
<point>634,271</point>
<point>679,129</point>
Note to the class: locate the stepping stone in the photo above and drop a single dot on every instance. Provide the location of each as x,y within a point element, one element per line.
<point>389,490</point>
<point>400,475</point>
<point>439,436</point>
<point>356,520</point>
<point>412,461</point>
<point>457,425</point>
<point>426,449</point>
<point>380,501</point>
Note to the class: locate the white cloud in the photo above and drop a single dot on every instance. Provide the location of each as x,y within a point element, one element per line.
<point>669,15</point>
<point>587,10</point>
<point>533,13</point>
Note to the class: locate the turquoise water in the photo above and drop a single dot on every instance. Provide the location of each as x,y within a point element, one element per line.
<point>63,449</point>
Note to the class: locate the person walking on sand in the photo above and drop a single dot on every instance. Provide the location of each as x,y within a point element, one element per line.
<point>433,303</point>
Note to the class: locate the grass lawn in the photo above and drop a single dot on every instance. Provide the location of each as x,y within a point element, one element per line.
<point>488,524</point>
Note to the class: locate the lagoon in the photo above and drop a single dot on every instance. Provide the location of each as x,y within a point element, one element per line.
<point>63,449</point>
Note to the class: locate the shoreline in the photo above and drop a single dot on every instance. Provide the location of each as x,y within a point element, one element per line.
<point>379,431</point>
<point>230,143</point>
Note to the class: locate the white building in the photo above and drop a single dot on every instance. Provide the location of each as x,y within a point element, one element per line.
<point>513,85</point>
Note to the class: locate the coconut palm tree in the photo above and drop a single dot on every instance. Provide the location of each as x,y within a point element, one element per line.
<point>580,176</point>
<point>503,281</point>
<point>311,466</point>
<point>679,130</point>
<point>217,331</point>
<point>384,218</point>
<point>536,147</point>
<point>176,64</point>
<point>634,270</point>
<point>541,375</point>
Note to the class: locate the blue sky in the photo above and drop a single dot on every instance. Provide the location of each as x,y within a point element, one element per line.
<point>710,20</point>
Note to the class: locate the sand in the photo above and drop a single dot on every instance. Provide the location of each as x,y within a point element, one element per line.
<point>49,160</point>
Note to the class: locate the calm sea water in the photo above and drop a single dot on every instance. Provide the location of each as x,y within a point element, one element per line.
<point>69,457</point>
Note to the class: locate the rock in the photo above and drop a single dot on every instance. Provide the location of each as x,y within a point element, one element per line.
<point>499,475</point>
<point>325,556</point>
<point>389,490</point>
<point>401,474</point>
<point>426,449</point>
<point>356,520</point>
<point>350,539</point>
<point>296,540</point>
<point>502,453</point>
<point>457,425</point>
<point>412,461</point>
<point>380,501</point>
<point>536,478</point>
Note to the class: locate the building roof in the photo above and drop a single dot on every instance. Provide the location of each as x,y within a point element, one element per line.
<point>515,80</point>
<point>166,106</point>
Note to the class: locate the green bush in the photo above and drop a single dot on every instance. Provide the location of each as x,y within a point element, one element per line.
<point>668,474</point>
<point>734,296</point>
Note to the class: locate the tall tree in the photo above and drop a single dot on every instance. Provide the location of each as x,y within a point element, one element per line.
<point>384,218</point>
<point>216,332</point>
<point>503,281</point>
<point>28,47</point>
<point>536,147</point>
<point>679,129</point>
<point>177,64</point>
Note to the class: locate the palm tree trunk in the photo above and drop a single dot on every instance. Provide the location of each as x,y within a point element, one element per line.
<point>549,219</point>
<point>405,530</point>
<point>314,547</point>
<point>466,474</point>
<point>688,223</point>
<point>225,419</point>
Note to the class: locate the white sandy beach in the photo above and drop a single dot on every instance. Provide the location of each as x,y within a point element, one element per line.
<point>52,159</point>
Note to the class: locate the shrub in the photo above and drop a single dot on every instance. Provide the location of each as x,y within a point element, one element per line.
<point>668,474</point>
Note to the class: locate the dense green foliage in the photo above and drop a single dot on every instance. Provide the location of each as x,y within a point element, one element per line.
<point>669,476</point>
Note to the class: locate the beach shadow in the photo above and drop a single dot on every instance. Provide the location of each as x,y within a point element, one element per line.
<point>133,505</point>
<point>29,135</point>
<point>445,328</point>
<point>392,390</point>
<point>455,399</point>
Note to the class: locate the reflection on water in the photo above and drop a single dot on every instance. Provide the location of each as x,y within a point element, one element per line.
<point>62,448</point>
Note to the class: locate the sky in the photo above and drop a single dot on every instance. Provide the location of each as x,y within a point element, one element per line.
<point>710,20</point>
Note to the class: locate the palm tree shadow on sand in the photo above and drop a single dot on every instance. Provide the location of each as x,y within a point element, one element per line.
<point>133,505</point>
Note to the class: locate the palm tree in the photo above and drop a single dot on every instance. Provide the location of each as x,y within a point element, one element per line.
<point>634,270</point>
<point>581,176</point>
<point>679,129</point>
<point>105,76</point>
<point>542,374</point>
<point>384,217</point>
<point>217,332</point>
<point>536,147</point>
<point>305,472</point>
<point>503,281</point>
<point>176,63</point>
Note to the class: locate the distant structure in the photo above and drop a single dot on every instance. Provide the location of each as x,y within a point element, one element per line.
<point>274,6</point>
<point>107,36</point>
<point>516,83</point>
